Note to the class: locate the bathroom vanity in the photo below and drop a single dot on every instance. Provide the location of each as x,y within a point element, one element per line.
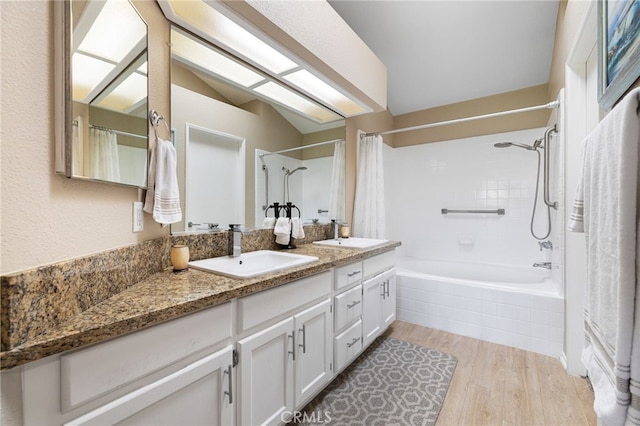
<point>262,349</point>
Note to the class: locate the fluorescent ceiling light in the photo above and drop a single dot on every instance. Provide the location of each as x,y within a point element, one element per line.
<point>127,94</point>
<point>116,31</point>
<point>286,97</point>
<point>88,72</point>
<point>208,60</point>
<point>216,27</point>
<point>314,86</point>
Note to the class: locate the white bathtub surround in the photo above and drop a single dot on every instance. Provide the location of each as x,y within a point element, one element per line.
<point>471,174</point>
<point>369,206</point>
<point>519,307</point>
<point>608,188</point>
<point>487,287</point>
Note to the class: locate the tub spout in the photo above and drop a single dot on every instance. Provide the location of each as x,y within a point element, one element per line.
<point>546,265</point>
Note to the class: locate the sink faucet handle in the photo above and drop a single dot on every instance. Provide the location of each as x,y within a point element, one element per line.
<point>234,227</point>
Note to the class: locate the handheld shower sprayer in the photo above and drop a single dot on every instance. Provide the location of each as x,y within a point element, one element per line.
<point>519,145</point>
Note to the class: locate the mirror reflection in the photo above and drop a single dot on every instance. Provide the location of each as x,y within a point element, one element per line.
<point>223,128</point>
<point>109,92</point>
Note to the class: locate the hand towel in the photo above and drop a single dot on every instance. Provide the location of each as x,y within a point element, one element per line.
<point>163,196</point>
<point>608,193</point>
<point>269,222</point>
<point>297,231</point>
<point>282,230</point>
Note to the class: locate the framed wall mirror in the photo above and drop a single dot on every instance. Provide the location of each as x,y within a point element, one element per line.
<point>217,113</point>
<point>102,92</point>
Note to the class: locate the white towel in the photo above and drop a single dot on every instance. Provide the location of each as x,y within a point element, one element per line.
<point>297,231</point>
<point>609,191</point>
<point>269,222</point>
<point>163,196</point>
<point>282,230</point>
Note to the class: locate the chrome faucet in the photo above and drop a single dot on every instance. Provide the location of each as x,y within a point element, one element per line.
<point>545,245</point>
<point>336,225</point>
<point>236,240</point>
<point>546,265</point>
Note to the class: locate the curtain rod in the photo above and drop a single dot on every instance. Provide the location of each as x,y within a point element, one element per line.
<point>106,129</point>
<point>300,147</point>
<point>550,105</point>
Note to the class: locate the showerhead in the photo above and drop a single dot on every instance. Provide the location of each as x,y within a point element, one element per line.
<point>510,144</point>
<point>289,173</point>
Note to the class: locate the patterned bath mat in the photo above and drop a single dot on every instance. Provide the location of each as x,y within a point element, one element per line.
<point>392,383</point>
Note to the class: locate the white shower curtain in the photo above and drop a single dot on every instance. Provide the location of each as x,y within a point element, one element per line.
<point>77,152</point>
<point>368,211</point>
<point>336,192</point>
<point>103,151</point>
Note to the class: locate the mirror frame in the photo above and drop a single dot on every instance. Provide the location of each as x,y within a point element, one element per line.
<point>63,102</point>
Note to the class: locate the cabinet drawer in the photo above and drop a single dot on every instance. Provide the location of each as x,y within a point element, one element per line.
<point>348,345</point>
<point>89,373</point>
<point>348,306</point>
<point>379,263</point>
<point>348,274</point>
<point>269,304</point>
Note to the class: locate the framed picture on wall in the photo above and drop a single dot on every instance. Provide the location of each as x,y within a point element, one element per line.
<point>618,49</point>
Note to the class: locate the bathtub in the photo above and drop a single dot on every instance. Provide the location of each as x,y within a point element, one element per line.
<point>517,306</point>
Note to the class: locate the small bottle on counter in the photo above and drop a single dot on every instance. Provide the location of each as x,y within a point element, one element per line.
<point>344,231</point>
<point>180,257</point>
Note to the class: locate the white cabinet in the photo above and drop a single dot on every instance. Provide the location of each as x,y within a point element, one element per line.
<point>201,393</point>
<point>348,345</point>
<point>266,374</point>
<point>378,305</point>
<point>284,365</point>
<point>348,307</point>
<point>389,300</point>
<point>314,351</point>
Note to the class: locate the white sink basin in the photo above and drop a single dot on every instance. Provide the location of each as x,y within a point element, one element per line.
<point>352,242</point>
<point>252,264</point>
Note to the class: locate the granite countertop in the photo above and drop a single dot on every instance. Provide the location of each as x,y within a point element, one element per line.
<point>168,295</point>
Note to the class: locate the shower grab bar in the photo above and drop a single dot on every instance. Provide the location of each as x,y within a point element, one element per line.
<point>499,212</point>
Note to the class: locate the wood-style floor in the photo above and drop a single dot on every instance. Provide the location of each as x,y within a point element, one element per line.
<point>499,385</point>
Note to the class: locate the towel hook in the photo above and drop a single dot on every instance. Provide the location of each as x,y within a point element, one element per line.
<point>155,120</point>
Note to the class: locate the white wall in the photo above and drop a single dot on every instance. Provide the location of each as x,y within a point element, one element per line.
<point>47,218</point>
<point>467,174</point>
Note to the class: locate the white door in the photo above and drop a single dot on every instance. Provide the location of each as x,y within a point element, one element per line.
<point>371,309</point>
<point>314,350</point>
<point>266,375</point>
<point>201,393</point>
<point>389,298</point>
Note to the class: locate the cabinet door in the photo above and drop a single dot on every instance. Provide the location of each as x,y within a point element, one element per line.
<point>266,374</point>
<point>314,350</point>
<point>201,393</point>
<point>371,309</point>
<point>389,299</point>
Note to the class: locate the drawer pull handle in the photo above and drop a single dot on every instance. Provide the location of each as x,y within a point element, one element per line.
<point>353,273</point>
<point>388,283</point>
<point>304,339</point>
<point>353,304</point>
<point>353,342</point>
<point>230,391</point>
<point>292,336</point>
